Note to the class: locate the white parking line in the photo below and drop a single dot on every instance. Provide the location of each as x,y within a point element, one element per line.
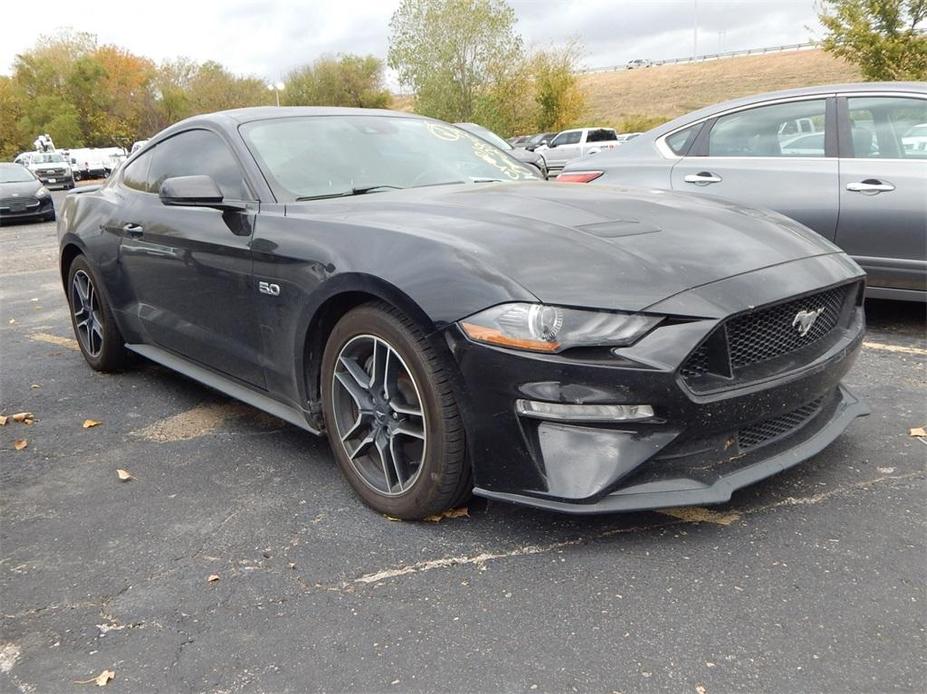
<point>895,348</point>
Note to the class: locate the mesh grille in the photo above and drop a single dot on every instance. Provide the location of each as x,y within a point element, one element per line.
<point>772,332</point>
<point>772,429</point>
<point>18,202</point>
<point>697,363</point>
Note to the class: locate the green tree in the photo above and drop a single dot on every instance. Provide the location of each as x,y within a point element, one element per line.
<point>452,54</point>
<point>342,80</point>
<point>12,140</point>
<point>559,99</point>
<point>213,88</point>
<point>884,37</point>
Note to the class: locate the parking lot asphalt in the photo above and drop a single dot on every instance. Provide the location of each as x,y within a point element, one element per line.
<point>813,581</point>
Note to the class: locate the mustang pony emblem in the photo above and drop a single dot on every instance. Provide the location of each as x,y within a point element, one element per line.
<point>805,319</point>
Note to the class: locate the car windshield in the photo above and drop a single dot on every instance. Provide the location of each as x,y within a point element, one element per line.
<point>47,159</point>
<point>328,156</point>
<point>487,135</point>
<point>14,173</point>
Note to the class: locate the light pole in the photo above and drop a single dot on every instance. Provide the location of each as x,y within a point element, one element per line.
<point>277,87</point>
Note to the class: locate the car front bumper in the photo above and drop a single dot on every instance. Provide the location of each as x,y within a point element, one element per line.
<point>692,451</point>
<point>49,179</point>
<point>45,206</point>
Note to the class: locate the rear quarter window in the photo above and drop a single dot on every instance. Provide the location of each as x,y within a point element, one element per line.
<point>680,141</point>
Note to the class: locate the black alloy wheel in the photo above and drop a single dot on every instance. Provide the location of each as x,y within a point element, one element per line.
<point>391,416</point>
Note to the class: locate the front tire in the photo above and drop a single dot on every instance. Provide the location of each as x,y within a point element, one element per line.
<point>391,415</point>
<point>95,329</point>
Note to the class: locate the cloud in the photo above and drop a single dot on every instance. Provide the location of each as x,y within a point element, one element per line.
<point>269,38</point>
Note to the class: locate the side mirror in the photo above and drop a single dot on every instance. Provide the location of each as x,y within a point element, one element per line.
<point>190,191</point>
<point>545,143</point>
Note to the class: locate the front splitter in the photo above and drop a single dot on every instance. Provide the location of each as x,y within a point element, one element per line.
<point>687,492</point>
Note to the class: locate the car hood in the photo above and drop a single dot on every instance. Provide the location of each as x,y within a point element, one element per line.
<point>24,189</point>
<point>584,245</point>
<point>49,165</point>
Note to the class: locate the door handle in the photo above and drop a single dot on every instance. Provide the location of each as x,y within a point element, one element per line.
<point>133,230</point>
<point>870,185</point>
<point>703,178</point>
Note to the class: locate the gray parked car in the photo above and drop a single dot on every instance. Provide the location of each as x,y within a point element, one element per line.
<point>844,160</point>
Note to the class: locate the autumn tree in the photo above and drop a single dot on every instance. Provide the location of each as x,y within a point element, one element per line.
<point>557,94</point>
<point>453,54</point>
<point>885,38</point>
<point>342,80</point>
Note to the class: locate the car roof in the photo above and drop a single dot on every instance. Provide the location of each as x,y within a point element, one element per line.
<point>231,119</point>
<point>823,89</point>
<point>246,115</point>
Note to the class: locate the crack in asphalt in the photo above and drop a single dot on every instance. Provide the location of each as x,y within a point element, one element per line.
<point>683,518</point>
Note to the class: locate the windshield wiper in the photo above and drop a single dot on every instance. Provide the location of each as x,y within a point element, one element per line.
<point>348,193</point>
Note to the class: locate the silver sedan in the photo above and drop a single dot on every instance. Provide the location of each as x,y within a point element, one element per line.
<point>845,160</point>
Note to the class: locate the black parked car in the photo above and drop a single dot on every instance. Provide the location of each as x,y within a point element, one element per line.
<point>23,196</point>
<point>452,322</point>
<point>532,159</point>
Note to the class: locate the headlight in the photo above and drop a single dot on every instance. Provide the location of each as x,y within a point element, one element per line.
<point>541,328</point>
<point>42,192</point>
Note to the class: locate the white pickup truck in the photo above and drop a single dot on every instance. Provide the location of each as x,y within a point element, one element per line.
<point>576,143</point>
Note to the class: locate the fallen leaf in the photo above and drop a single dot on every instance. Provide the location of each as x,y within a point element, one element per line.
<point>20,444</point>
<point>12,321</point>
<point>462,512</point>
<point>918,431</point>
<point>391,518</point>
<point>123,474</point>
<point>35,385</point>
<point>700,689</point>
<point>91,423</point>
<point>213,578</point>
<point>3,419</point>
<point>23,417</point>
<point>100,680</point>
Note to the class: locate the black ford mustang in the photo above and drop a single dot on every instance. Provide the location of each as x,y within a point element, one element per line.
<point>455,324</point>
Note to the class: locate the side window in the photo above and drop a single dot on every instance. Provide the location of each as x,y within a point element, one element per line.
<point>888,127</point>
<point>601,135</point>
<point>197,153</point>
<point>770,131</point>
<point>135,175</point>
<point>568,138</point>
<point>679,142</point>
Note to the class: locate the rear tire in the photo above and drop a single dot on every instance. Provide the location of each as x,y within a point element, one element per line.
<point>95,329</point>
<point>391,415</point>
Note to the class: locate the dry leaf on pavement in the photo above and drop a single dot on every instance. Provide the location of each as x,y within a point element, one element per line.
<point>100,680</point>
<point>461,512</point>
<point>23,417</point>
<point>213,578</point>
<point>20,444</point>
<point>90,423</point>
<point>3,420</point>
<point>918,431</point>
<point>123,474</point>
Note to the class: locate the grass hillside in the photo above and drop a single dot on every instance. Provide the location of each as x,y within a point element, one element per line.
<point>667,91</point>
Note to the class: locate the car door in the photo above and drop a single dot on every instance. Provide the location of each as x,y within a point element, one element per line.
<point>190,267</point>
<point>563,148</point>
<point>883,189</point>
<point>745,156</point>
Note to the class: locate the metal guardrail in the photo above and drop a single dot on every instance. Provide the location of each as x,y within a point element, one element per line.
<point>711,56</point>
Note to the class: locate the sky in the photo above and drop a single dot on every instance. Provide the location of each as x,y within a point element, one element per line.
<point>268,38</point>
